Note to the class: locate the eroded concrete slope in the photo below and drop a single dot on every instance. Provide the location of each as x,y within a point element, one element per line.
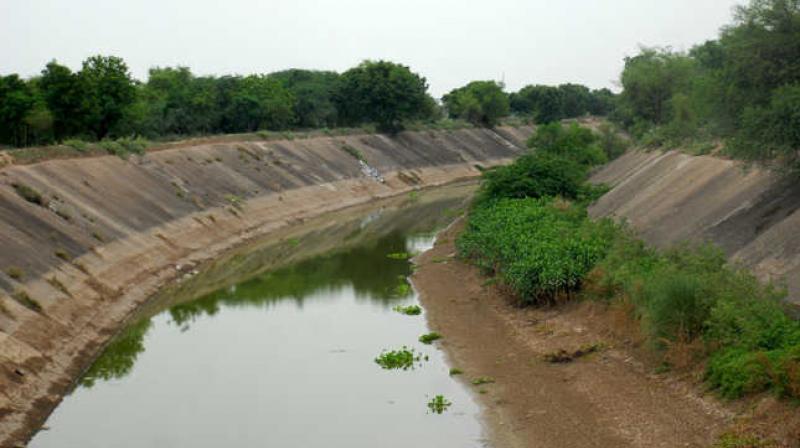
<point>752,214</point>
<point>109,233</point>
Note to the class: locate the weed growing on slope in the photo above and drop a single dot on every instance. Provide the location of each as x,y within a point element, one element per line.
<point>481,380</point>
<point>29,194</point>
<point>25,300</point>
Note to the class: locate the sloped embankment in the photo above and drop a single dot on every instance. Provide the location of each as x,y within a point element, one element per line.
<point>94,238</point>
<point>671,197</point>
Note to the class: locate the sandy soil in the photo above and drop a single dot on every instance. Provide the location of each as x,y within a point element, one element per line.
<point>605,399</point>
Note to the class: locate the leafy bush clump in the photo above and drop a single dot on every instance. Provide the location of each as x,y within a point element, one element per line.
<point>534,176</point>
<point>690,294</point>
<point>540,248</point>
<point>576,143</point>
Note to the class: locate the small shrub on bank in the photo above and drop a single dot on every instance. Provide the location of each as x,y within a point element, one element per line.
<point>535,176</point>
<point>573,142</point>
<point>29,194</point>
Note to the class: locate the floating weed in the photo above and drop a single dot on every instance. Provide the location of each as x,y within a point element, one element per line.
<point>398,359</point>
<point>456,371</point>
<point>481,380</point>
<point>429,338</point>
<point>410,310</point>
<point>402,290</point>
<point>439,404</point>
<point>399,256</point>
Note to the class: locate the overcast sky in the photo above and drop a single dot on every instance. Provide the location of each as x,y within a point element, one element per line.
<point>450,42</point>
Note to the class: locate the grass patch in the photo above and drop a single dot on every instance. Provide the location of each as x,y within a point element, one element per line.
<point>235,201</point>
<point>355,153</point>
<point>25,300</point>
<point>429,338</point>
<point>733,440</point>
<point>563,356</point>
<point>481,380</point>
<point>402,359</point>
<point>62,254</point>
<point>454,371</point>
<point>15,272</point>
<point>77,144</point>
<point>30,194</point>
<point>439,404</point>
<point>410,310</point>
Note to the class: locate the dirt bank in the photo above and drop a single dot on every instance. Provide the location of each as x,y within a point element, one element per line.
<point>97,237</point>
<point>603,399</point>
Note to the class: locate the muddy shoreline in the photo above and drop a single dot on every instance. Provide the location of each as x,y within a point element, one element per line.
<point>606,399</point>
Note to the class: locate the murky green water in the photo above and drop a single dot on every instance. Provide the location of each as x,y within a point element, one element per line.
<point>284,358</point>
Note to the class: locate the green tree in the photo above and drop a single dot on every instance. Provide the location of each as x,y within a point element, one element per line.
<point>543,103</point>
<point>108,89</point>
<point>575,100</point>
<point>16,102</point>
<point>650,79</point>
<point>383,93</point>
<point>480,102</point>
<point>314,93</point>
<point>258,102</point>
<point>64,95</point>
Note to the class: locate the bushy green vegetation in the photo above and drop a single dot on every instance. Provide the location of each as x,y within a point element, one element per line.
<point>743,87</point>
<point>690,294</point>
<point>540,248</point>
<point>529,229</point>
<point>410,310</point>
<point>439,404</point>
<point>430,338</point>
<point>402,359</point>
<point>480,102</point>
<point>382,92</point>
<point>102,101</point>
<point>546,104</point>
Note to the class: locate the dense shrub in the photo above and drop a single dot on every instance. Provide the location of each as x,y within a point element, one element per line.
<point>540,248</point>
<point>482,103</point>
<point>690,294</point>
<point>534,176</point>
<point>574,142</point>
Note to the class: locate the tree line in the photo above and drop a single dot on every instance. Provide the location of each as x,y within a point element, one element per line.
<point>742,88</point>
<point>102,100</point>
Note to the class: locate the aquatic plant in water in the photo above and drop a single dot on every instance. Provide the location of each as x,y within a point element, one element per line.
<point>411,310</point>
<point>439,404</point>
<point>429,338</point>
<point>398,359</point>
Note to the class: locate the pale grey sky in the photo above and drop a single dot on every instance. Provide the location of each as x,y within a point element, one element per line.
<point>450,42</point>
